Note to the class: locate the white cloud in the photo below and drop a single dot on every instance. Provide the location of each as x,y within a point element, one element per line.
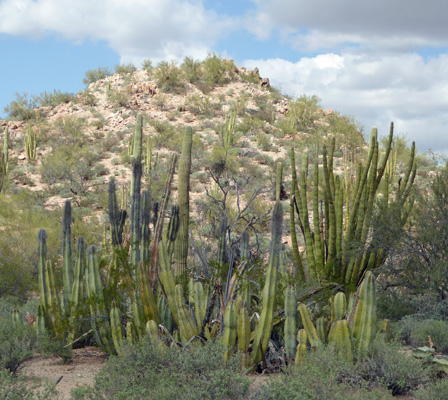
<point>322,24</point>
<point>399,88</point>
<point>135,29</point>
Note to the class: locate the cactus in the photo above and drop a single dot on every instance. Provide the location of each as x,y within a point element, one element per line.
<point>321,328</point>
<point>311,331</point>
<point>228,130</point>
<point>30,144</point>
<point>278,181</point>
<point>115,323</point>
<point>67,268</point>
<point>77,288</point>
<point>135,214</point>
<point>230,330</point>
<point>290,322</point>
<point>135,143</point>
<point>116,217</point>
<point>264,327</point>
<point>340,337</point>
<point>338,307</point>
<point>301,350</point>
<point>183,199</point>
<point>243,333</point>
<point>4,160</point>
<point>364,319</point>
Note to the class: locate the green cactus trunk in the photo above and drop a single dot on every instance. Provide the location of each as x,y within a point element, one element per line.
<point>290,322</point>
<point>264,327</point>
<point>183,199</point>
<point>67,267</point>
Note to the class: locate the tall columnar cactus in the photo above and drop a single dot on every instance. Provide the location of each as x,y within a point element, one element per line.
<point>230,329</point>
<point>135,144</point>
<point>302,338</point>
<point>227,132</point>
<point>117,331</point>
<point>135,213</point>
<point>183,200</point>
<point>290,322</point>
<point>339,243</point>
<point>145,219</point>
<point>67,267</point>
<point>77,289</point>
<point>30,144</point>
<point>243,333</point>
<point>311,331</point>
<point>279,181</point>
<point>116,217</point>
<point>364,318</point>
<point>338,307</point>
<point>264,327</point>
<point>341,338</point>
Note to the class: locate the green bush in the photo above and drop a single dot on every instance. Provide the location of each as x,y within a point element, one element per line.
<point>17,343</point>
<point>53,99</point>
<point>125,69</point>
<point>16,388</point>
<point>147,372</point>
<point>192,69</point>
<point>435,329</point>
<point>392,368</point>
<point>437,390</point>
<point>93,75</point>
<point>169,78</point>
<point>22,108</point>
<point>147,65</point>
<point>323,375</point>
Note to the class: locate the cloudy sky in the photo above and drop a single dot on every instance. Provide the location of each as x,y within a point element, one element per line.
<point>378,61</point>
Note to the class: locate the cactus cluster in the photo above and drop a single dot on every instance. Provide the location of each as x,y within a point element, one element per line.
<point>30,144</point>
<point>144,288</point>
<point>342,212</point>
<point>351,329</point>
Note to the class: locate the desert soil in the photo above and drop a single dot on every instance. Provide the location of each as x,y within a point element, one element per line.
<point>81,371</point>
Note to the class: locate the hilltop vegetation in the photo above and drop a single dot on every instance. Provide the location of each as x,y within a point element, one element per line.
<point>198,157</point>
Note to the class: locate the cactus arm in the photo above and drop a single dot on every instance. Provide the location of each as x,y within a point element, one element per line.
<point>290,322</point>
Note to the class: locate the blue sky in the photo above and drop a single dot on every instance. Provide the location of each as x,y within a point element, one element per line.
<point>377,61</point>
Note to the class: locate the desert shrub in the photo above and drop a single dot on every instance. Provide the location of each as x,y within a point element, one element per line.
<point>145,371</point>
<point>390,367</point>
<point>17,343</point>
<point>437,390</point>
<point>17,388</point>
<point>167,135</point>
<point>217,71</point>
<point>69,130</point>
<point>93,75</point>
<point>169,78</point>
<point>53,99</point>
<point>147,65</point>
<point>323,375</point>
<point>119,98</point>
<point>192,69</point>
<point>435,329</point>
<point>125,69</point>
<point>22,108</point>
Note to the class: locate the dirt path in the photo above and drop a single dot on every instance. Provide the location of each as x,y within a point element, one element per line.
<point>81,371</point>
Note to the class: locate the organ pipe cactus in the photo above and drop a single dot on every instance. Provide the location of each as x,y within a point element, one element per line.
<point>364,319</point>
<point>230,329</point>
<point>30,144</point>
<point>338,307</point>
<point>341,338</point>
<point>278,181</point>
<point>311,331</point>
<point>264,327</point>
<point>290,322</point>
<point>342,214</point>
<point>115,323</point>
<point>183,199</point>
<point>243,333</point>
<point>67,267</point>
<point>301,350</point>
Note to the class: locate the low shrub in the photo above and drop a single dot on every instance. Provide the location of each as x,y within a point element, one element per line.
<point>93,75</point>
<point>147,372</point>
<point>15,388</point>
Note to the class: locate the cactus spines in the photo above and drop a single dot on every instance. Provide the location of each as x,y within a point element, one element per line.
<point>290,322</point>
<point>67,268</point>
<point>311,331</point>
<point>230,329</point>
<point>340,337</point>
<point>364,318</point>
<point>183,199</point>
<point>264,327</point>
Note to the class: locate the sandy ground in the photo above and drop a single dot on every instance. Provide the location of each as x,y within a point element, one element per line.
<point>81,371</point>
